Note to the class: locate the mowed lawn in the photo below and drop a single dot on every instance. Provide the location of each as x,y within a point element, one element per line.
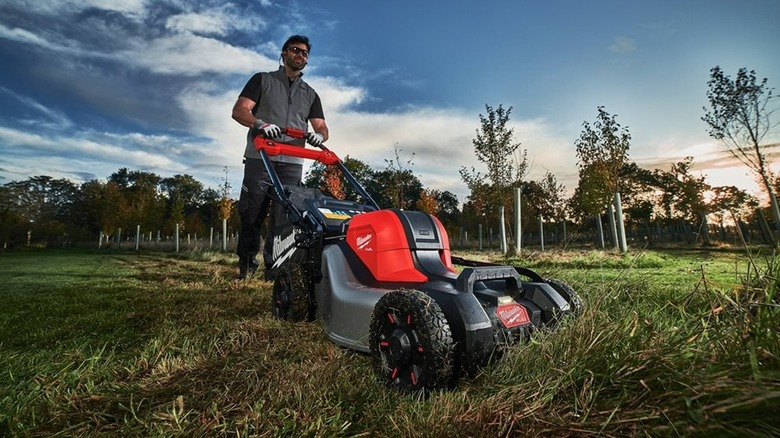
<point>149,344</point>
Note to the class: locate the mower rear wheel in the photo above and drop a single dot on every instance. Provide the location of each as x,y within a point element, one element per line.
<point>568,293</point>
<point>411,342</point>
<point>291,299</point>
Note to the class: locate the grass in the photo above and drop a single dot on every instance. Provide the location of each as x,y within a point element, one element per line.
<point>119,343</point>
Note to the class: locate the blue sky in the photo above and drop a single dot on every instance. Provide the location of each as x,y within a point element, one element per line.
<point>90,86</point>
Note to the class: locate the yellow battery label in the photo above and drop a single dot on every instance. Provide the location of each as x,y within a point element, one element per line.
<point>330,214</point>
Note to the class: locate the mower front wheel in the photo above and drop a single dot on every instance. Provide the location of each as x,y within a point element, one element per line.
<point>568,293</point>
<point>411,342</point>
<point>291,299</point>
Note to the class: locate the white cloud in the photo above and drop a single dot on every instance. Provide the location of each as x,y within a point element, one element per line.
<point>215,21</point>
<point>21,35</point>
<point>181,52</point>
<point>52,147</point>
<point>623,45</point>
<point>197,23</point>
<point>336,96</point>
<point>213,119</point>
<point>49,117</point>
<point>189,54</point>
<point>134,9</point>
<point>128,7</point>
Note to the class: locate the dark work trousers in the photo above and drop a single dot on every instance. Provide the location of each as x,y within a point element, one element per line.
<point>253,206</point>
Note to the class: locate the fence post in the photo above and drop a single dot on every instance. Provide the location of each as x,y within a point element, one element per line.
<point>501,230</point>
<point>565,234</point>
<point>541,231</point>
<point>612,225</point>
<point>176,236</point>
<point>224,235</point>
<point>599,231</point>
<point>518,220</point>
<point>621,227</point>
<point>775,212</point>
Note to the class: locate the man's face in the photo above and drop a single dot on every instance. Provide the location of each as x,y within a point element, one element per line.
<point>296,56</point>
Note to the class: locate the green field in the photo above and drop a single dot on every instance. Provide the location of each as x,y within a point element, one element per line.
<point>119,343</point>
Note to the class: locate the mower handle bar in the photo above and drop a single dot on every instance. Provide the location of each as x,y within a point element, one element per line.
<point>272,147</point>
<point>267,147</point>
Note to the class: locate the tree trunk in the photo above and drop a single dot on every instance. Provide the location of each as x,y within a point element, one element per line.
<point>762,171</point>
<point>704,229</point>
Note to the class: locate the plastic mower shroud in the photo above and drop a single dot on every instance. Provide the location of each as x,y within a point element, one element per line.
<point>382,281</point>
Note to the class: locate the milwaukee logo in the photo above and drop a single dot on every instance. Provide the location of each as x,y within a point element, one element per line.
<point>362,242</point>
<point>282,245</point>
<point>512,315</point>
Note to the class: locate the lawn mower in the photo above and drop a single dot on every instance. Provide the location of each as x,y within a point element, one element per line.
<point>383,282</point>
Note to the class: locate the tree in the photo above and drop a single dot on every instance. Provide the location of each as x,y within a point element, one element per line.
<point>740,118</point>
<point>91,207</point>
<point>400,185</point>
<point>507,165</point>
<point>12,225</point>
<point>183,187</point>
<point>534,202</point>
<point>176,216</point>
<point>727,200</point>
<point>143,203</point>
<point>602,151</point>
<point>554,205</point>
<point>427,202</point>
<point>333,183</point>
<point>639,192</point>
<point>43,203</point>
<point>448,209</point>
<point>225,203</point>
<point>319,173</point>
<point>185,195</point>
<point>683,192</point>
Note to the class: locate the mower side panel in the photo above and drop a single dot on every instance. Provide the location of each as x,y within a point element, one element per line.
<point>548,299</point>
<point>469,322</point>
<point>344,306</point>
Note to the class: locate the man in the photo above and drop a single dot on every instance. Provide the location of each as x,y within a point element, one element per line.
<point>269,102</point>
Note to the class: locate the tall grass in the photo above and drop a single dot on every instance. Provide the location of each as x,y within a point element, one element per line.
<point>156,345</point>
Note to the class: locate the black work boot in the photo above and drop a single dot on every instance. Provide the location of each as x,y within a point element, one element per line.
<point>246,269</point>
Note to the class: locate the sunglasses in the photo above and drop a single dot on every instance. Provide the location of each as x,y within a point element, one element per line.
<point>299,51</point>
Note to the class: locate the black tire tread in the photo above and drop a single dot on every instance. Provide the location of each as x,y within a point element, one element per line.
<point>300,298</point>
<point>568,293</point>
<point>435,334</point>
